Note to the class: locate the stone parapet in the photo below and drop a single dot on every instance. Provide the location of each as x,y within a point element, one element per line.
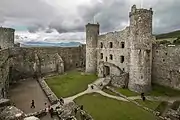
<point>51,96</point>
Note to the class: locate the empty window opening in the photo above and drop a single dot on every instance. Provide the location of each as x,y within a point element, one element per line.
<point>123,69</point>
<point>166,53</point>
<point>111,45</point>
<point>156,51</point>
<point>122,59</point>
<point>122,44</point>
<point>141,77</point>
<point>163,60</point>
<point>101,55</point>
<point>111,56</point>
<point>101,45</point>
<point>106,59</point>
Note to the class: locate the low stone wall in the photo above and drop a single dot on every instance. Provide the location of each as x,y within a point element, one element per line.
<point>174,115</point>
<point>64,111</point>
<point>11,113</point>
<point>120,81</point>
<point>51,96</point>
<point>39,114</point>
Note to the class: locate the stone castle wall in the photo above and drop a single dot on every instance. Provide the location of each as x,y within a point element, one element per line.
<point>92,32</point>
<point>140,49</point>
<point>26,61</point>
<point>19,63</point>
<point>4,73</point>
<point>116,39</point>
<point>6,38</point>
<point>166,65</point>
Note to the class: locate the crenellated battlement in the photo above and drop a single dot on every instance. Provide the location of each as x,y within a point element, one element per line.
<point>2,29</point>
<point>92,24</point>
<point>135,11</point>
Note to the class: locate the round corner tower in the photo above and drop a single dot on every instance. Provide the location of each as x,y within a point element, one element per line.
<point>6,38</point>
<point>140,49</point>
<point>92,32</point>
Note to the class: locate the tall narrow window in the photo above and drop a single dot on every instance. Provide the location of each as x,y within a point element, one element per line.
<point>111,45</point>
<point>111,56</point>
<point>122,44</point>
<point>106,59</point>
<point>101,45</point>
<point>101,55</point>
<point>122,59</point>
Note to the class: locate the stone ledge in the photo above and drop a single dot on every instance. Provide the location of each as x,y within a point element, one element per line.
<point>39,114</point>
<point>4,102</point>
<point>51,96</point>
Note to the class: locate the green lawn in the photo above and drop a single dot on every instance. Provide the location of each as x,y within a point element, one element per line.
<point>70,84</point>
<point>158,90</point>
<point>126,92</point>
<point>109,92</point>
<point>103,108</point>
<point>149,104</point>
<point>162,107</point>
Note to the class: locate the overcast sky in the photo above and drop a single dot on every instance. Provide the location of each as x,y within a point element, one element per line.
<point>64,20</point>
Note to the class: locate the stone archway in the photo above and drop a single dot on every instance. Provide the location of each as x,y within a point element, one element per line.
<point>108,69</point>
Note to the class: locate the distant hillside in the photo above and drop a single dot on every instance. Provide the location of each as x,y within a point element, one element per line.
<point>46,44</point>
<point>174,34</point>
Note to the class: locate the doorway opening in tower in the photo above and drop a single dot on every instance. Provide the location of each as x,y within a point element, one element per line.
<point>106,71</point>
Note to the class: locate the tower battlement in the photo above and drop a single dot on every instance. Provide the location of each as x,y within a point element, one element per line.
<point>2,29</point>
<point>92,24</point>
<point>135,11</point>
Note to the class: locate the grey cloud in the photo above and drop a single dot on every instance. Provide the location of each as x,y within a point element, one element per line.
<point>30,12</point>
<point>48,31</point>
<point>109,14</point>
<point>167,13</point>
<point>38,15</point>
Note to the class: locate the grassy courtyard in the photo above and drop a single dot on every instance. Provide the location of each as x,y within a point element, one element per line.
<point>149,104</point>
<point>103,108</point>
<point>126,92</point>
<point>70,84</point>
<point>157,90</point>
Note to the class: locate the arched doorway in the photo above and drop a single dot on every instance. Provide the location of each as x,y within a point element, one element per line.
<point>106,71</point>
<point>2,93</point>
<point>10,74</point>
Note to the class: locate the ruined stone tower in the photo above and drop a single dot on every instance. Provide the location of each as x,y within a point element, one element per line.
<point>140,49</point>
<point>6,38</point>
<point>92,32</point>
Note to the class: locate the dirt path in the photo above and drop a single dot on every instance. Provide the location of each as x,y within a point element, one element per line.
<point>25,91</point>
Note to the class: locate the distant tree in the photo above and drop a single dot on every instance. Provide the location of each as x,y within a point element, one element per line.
<point>165,42</point>
<point>177,41</point>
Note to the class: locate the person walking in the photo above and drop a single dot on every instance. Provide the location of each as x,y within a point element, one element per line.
<point>51,112</point>
<point>32,104</point>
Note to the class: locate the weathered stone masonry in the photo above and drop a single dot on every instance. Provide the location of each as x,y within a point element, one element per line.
<point>140,49</point>
<point>6,38</point>
<point>166,65</point>
<point>131,52</point>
